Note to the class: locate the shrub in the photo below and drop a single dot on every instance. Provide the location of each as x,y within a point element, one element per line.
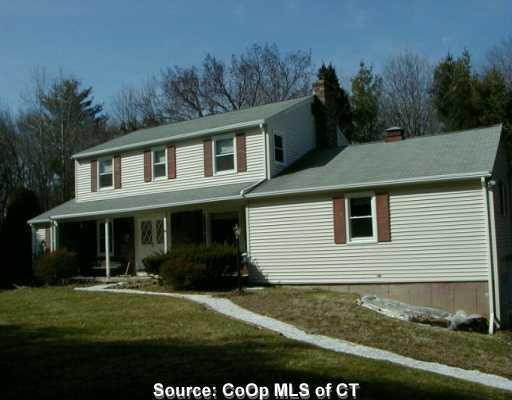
<point>198,266</point>
<point>184,274</point>
<point>51,268</point>
<point>153,262</point>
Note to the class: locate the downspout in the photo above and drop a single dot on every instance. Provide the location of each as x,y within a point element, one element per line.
<point>268,171</point>
<point>491,240</point>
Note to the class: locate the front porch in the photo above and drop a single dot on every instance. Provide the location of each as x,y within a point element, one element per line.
<point>116,245</point>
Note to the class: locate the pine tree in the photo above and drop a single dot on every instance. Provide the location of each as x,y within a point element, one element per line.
<point>366,91</point>
<point>455,93</point>
<point>341,110</point>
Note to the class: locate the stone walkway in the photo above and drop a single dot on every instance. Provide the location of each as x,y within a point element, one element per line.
<point>230,309</point>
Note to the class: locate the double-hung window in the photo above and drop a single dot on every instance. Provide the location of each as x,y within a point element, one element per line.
<point>361,218</point>
<point>159,163</point>
<point>279,149</point>
<point>224,155</point>
<point>105,173</point>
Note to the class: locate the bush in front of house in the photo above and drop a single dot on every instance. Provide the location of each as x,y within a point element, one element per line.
<point>184,274</point>
<point>52,268</point>
<point>199,267</point>
<point>153,262</point>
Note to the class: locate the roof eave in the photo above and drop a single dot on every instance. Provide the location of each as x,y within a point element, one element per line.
<point>189,135</point>
<point>120,211</point>
<point>356,186</point>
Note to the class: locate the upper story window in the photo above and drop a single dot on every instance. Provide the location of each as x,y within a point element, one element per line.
<point>361,218</point>
<point>105,173</point>
<point>224,155</point>
<point>279,148</point>
<point>159,163</point>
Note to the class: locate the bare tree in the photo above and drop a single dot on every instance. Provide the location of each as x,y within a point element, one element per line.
<point>406,99</point>
<point>11,168</point>
<point>259,75</point>
<point>135,108</point>
<point>500,58</point>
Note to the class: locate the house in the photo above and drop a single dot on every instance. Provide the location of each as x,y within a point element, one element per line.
<point>425,220</point>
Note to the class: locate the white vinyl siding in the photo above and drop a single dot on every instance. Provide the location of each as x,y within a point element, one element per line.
<point>189,167</point>
<point>437,234</point>
<point>296,126</point>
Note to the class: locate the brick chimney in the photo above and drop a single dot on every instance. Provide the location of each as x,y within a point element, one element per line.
<point>394,134</point>
<point>325,114</point>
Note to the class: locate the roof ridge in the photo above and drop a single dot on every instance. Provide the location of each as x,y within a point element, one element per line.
<point>298,99</point>
<point>433,135</point>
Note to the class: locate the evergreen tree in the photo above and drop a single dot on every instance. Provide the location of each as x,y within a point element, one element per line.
<point>494,100</point>
<point>454,93</point>
<point>338,107</point>
<point>366,92</point>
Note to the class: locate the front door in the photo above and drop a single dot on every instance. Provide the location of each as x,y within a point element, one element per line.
<point>149,237</point>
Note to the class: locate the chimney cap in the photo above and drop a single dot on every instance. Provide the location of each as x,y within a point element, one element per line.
<point>395,129</point>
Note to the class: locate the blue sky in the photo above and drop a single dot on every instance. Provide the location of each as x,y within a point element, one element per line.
<point>111,43</point>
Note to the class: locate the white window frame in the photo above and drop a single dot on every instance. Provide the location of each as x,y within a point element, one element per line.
<point>164,176</point>
<point>283,148</point>
<point>100,227</point>
<point>99,174</point>
<point>369,239</point>
<point>214,158</point>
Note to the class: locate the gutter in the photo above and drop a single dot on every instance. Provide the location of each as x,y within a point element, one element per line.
<point>142,208</point>
<point>429,179</point>
<point>171,139</point>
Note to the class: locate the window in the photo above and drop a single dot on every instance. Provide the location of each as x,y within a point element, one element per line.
<point>105,173</point>
<point>224,155</point>
<point>146,232</point>
<point>278,149</point>
<point>361,218</point>
<point>100,229</point>
<point>159,163</point>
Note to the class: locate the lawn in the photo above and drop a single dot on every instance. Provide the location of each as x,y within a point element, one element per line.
<point>59,343</point>
<point>337,314</point>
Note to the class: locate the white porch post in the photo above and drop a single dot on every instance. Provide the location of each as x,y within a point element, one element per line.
<point>107,247</point>
<point>165,233</point>
<point>55,236</point>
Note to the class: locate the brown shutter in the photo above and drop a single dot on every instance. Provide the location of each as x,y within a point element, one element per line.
<point>147,166</point>
<point>338,211</point>
<point>94,175</point>
<point>241,159</point>
<point>171,161</point>
<point>207,156</point>
<point>117,172</point>
<point>383,223</point>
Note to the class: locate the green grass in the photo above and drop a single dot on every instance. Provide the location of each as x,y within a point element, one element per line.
<point>337,314</point>
<point>59,343</point>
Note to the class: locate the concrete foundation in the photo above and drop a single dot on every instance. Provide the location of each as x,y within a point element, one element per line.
<point>471,297</point>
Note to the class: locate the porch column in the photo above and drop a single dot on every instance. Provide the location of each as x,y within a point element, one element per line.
<point>107,247</point>
<point>55,236</point>
<point>165,233</point>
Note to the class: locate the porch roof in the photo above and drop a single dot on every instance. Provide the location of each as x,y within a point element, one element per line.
<point>153,201</point>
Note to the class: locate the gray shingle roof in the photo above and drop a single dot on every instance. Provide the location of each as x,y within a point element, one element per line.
<point>463,153</point>
<point>74,209</point>
<point>196,127</point>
